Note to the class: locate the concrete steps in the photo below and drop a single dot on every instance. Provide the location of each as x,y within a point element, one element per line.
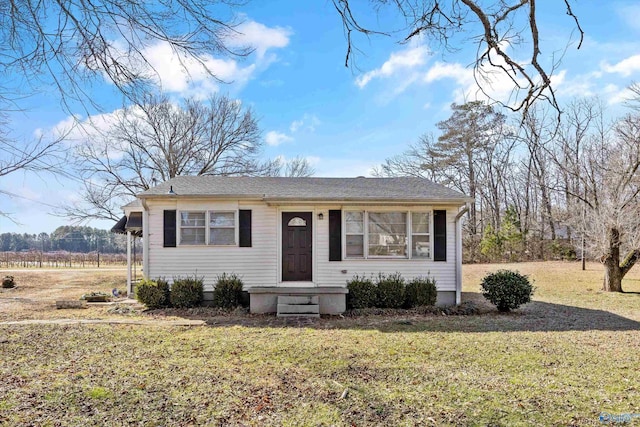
<point>298,306</point>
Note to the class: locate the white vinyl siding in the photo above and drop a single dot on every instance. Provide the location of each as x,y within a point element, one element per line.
<point>332,273</point>
<point>259,265</point>
<point>256,265</point>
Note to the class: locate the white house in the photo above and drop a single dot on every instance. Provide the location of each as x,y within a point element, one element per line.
<point>300,237</point>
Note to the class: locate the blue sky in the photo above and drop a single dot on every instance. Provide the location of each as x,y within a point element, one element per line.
<point>343,120</point>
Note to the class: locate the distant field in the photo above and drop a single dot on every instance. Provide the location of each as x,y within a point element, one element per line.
<point>562,360</point>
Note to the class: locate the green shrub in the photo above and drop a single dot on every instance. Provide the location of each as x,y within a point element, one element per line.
<point>8,282</point>
<point>390,291</point>
<point>187,292</point>
<point>362,292</point>
<point>420,291</point>
<point>228,291</point>
<point>153,293</point>
<point>506,289</point>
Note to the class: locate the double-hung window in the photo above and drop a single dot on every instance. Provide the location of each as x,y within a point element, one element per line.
<point>354,234</point>
<point>387,234</point>
<point>222,228</point>
<point>192,228</point>
<point>420,237</point>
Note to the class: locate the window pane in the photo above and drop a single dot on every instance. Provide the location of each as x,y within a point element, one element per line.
<point>421,246</point>
<point>387,233</point>
<point>222,236</point>
<point>354,222</point>
<point>192,236</point>
<point>355,227</point>
<point>420,222</point>
<point>353,216</point>
<point>355,247</point>
<point>222,219</point>
<point>296,221</point>
<point>192,219</point>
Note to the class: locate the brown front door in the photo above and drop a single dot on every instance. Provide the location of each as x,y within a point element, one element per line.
<point>296,246</point>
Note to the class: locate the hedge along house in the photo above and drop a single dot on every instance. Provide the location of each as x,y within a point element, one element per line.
<point>302,237</point>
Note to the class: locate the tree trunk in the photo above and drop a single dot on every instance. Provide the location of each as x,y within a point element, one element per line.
<point>613,272</point>
<point>612,275</point>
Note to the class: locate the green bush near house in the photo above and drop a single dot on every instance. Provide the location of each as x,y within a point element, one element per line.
<point>153,293</point>
<point>362,292</point>
<point>187,292</point>
<point>228,291</point>
<point>390,290</point>
<point>420,291</point>
<point>507,289</point>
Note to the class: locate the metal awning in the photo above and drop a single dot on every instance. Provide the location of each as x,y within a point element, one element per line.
<point>133,223</point>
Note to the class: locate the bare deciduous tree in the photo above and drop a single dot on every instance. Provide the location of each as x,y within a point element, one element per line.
<point>158,140</point>
<point>70,42</point>
<point>496,27</point>
<point>608,173</point>
<point>298,167</point>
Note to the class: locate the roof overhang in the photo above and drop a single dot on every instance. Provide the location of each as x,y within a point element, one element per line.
<point>312,200</point>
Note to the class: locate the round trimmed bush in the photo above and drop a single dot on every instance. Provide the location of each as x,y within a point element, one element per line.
<point>420,291</point>
<point>362,292</point>
<point>507,289</point>
<point>228,291</point>
<point>391,290</point>
<point>153,293</point>
<point>187,292</point>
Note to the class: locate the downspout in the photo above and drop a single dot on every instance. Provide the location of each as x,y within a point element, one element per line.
<point>129,283</point>
<point>458,238</point>
<point>145,239</point>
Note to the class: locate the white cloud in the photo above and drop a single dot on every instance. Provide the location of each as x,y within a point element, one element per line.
<point>626,67</point>
<point>454,71</point>
<point>402,61</point>
<point>184,75</point>
<point>260,37</point>
<point>615,95</point>
<point>308,123</point>
<point>274,138</point>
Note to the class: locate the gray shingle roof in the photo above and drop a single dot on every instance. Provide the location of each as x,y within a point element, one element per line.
<point>312,189</point>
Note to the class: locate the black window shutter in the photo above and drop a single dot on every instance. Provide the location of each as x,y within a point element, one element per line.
<point>169,229</point>
<point>439,235</point>
<point>335,235</point>
<point>245,228</point>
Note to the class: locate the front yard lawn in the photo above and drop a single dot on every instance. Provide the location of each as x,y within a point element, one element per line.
<point>562,360</point>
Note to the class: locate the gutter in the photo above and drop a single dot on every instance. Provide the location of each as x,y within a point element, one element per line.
<point>458,237</point>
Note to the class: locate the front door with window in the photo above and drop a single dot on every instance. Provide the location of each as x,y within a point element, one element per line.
<point>296,246</point>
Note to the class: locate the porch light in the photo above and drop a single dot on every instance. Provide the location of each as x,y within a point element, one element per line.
<point>320,216</point>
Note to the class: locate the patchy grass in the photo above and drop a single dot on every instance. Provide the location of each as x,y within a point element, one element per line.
<point>37,291</point>
<point>560,360</point>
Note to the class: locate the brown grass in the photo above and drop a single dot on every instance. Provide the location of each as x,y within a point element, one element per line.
<point>561,360</point>
<point>37,291</point>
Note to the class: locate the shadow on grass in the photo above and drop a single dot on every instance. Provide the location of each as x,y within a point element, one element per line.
<point>536,316</point>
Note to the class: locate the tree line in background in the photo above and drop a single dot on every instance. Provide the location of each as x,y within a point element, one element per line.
<point>75,239</point>
<point>543,188</point>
